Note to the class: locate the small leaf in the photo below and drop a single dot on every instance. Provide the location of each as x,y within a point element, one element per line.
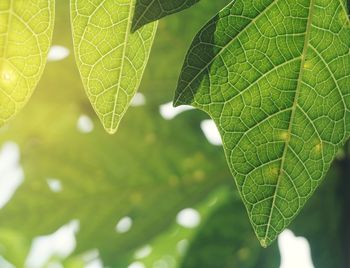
<point>147,11</point>
<point>25,37</point>
<point>274,76</point>
<point>110,58</point>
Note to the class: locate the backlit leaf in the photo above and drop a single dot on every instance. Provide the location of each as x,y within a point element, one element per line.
<point>110,58</point>
<point>25,38</point>
<point>274,75</point>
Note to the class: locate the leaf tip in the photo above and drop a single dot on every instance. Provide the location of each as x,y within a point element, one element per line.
<point>264,243</point>
<point>111,122</point>
<point>267,239</point>
<point>176,103</point>
<point>134,27</point>
<point>111,131</point>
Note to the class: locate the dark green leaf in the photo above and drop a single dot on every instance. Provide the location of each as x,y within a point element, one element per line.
<point>147,11</point>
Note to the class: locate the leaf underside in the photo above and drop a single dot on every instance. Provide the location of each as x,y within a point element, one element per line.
<point>274,75</point>
<point>110,58</point>
<point>25,37</point>
<point>147,11</point>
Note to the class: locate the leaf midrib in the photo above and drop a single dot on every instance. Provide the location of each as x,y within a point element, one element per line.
<point>294,106</point>
<point>126,38</point>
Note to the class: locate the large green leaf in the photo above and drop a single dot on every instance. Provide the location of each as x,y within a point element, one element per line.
<point>274,75</point>
<point>147,11</point>
<point>110,58</point>
<point>25,38</point>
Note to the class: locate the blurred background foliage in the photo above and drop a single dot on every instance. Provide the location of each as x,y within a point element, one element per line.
<point>149,171</point>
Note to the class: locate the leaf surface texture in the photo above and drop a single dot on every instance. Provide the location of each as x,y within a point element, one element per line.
<point>147,11</point>
<point>25,37</point>
<point>274,75</point>
<point>110,58</point>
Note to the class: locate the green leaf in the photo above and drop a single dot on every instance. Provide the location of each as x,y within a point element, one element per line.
<point>274,76</point>
<point>147,11</point>
<point>25,37</point>
<point>110,58</point>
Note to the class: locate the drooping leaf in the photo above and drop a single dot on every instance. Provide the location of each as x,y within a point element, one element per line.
<point>25,37</point>
<point>147,11</point>
<point>274,75</point>
<point>110,58</point>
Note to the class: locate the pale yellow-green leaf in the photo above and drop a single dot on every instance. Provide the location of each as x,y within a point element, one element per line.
<point>110,58</point>
<point>25,36</point>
